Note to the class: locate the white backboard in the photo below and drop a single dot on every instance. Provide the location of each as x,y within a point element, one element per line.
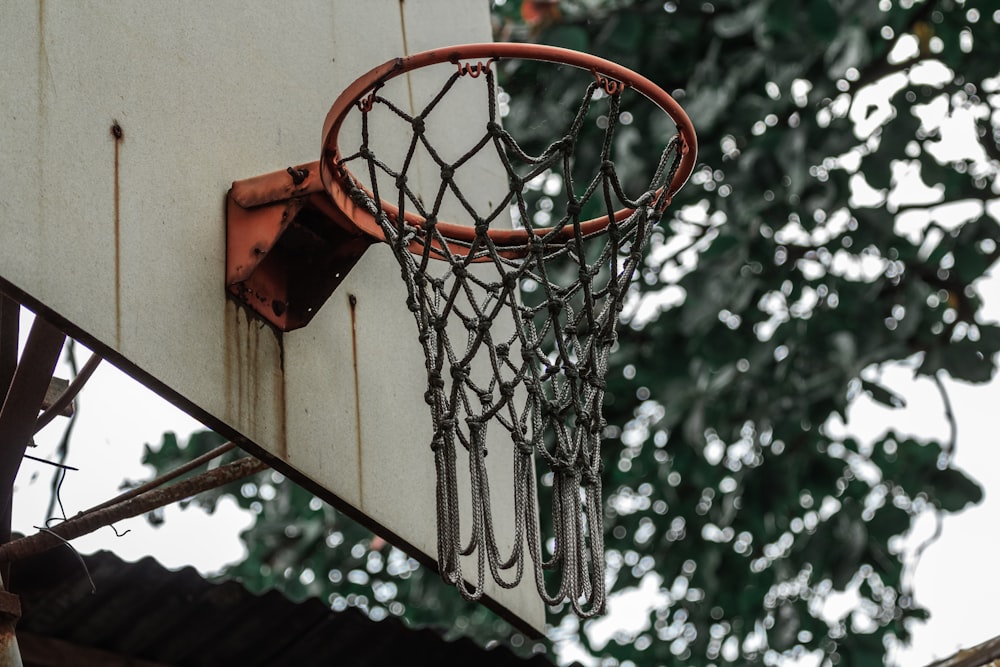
<point>123,238</point>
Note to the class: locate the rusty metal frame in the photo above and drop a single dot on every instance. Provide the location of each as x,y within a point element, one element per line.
<point>21,403</point>
<point>287,246</point>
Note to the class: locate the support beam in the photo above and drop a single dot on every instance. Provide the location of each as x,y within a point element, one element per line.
<point>10,313</point>
<point>21,406</point>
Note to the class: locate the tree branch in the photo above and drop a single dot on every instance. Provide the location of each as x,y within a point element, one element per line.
<point>949,449</point>
<point>165,477</point>
<point>83,524</point>
<point>977,656</point>
<point>72,390</point>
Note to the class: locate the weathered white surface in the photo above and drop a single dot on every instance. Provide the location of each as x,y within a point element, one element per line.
<point>125,240</point>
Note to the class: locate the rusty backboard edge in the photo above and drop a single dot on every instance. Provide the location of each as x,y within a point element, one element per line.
<point>176,399</point>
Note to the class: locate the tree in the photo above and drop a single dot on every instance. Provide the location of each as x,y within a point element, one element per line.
<point>827,233</point>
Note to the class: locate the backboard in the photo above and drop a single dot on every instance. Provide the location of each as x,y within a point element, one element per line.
<point>122,128</point>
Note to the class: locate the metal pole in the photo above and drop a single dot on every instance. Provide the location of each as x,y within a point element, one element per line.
<point>21,407</point>
<point>10,313</point>
<point>10,613</point>
<point>23,388</point>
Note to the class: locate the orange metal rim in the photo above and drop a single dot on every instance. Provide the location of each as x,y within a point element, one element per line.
<point>335,177</point>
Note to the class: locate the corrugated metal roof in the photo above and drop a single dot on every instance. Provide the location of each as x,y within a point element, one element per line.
<point>142,610</point>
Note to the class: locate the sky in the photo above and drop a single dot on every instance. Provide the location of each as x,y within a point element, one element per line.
<point>117,417</point>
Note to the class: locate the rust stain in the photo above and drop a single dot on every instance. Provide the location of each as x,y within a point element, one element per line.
<point>118,135</point>
<point>254,357</point>
<point>44,69</point>
<point>250,368</point>
<point>229,354</point>
<point>279,396</point>
<point>44,76</point>
<point>406,52</point>
<point>352,300</point>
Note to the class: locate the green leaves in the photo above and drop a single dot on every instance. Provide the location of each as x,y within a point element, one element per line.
<point>963,360</point>
<point>799,291</point>
<point>955,490</point>
<point>569,37</point>
<point>882,395</point>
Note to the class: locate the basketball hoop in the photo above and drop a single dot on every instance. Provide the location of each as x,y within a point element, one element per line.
<point>362,94</point>
<point>542,358</point>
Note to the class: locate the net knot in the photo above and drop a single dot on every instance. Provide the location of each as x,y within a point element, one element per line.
<point>459,373</point>
<point>523,446</point>
<point>573,209</point>
<point>494,129</point>
<point>571,371</point>
<point>510,280</point>
<point>608,168</point>
<point>507,389</point>
<point>502,350</point>
<point>361,198</point>
<point>589,478</point>
<point>482,228</point>
<point>567,144</point>
<point>447,172</point>
<point>418,125</point>
<point>562,466</point>
<point>440,323</point>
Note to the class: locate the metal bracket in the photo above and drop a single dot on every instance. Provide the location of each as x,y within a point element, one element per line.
<point>287,246</point>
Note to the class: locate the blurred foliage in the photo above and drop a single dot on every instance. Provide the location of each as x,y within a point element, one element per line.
<point>825,234</point>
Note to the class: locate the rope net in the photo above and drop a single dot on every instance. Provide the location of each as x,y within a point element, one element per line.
<point>516,336</point>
